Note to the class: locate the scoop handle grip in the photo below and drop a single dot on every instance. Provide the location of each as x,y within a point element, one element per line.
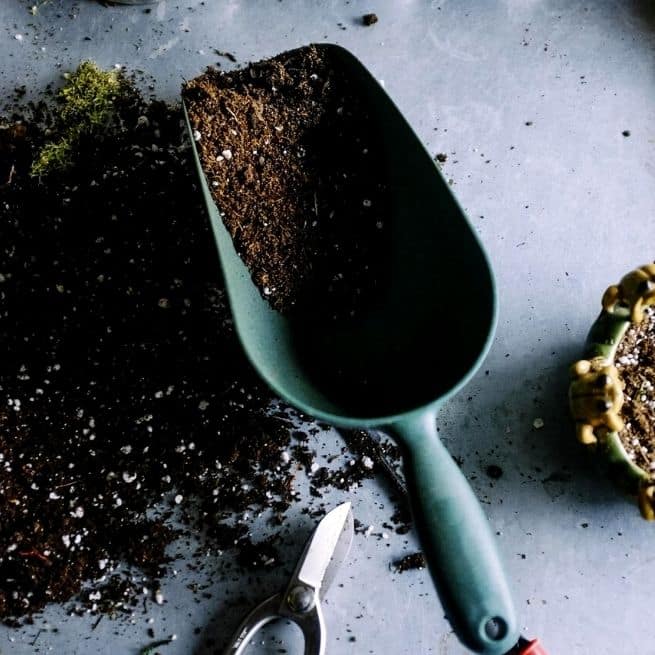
<point>456,540</point>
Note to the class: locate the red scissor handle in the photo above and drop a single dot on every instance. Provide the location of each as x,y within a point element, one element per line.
<point>531,648</point>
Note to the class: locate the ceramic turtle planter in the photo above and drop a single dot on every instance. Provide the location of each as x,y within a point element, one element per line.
<point>611,392</point>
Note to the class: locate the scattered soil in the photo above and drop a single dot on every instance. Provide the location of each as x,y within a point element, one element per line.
<point>293,163</point>
<point>635,360</point>
<point>370,19</point>
<point>126,399</point>
<point>123,381</point>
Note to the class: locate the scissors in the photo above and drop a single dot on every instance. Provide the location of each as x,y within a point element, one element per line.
<point>324,553</point>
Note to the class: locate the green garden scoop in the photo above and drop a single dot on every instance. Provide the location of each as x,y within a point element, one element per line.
<point>417,347</point>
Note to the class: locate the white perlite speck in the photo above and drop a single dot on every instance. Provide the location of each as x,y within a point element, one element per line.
<point>367,462</point>
<point>159,597</point>
<point>178,499</point>
<point>227,154</point>
<point>129,477</point>
<point>538,423</point>
<point>196,135</point>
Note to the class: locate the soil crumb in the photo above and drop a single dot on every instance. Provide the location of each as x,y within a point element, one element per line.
<point>409,562</point>
<point>494,471</point>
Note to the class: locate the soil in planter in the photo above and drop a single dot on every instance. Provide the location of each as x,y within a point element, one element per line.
<point>294,165</point>
<point>123,386</point>
<point>635,360</point>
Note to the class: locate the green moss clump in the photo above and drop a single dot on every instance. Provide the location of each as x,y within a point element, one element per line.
<point>53,157</point>
<point>89,104</point>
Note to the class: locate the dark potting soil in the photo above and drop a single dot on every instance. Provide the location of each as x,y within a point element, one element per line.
<point>124,388</point>
<point>123,382</point>
<point>294,165</point>
<point>635,360</point>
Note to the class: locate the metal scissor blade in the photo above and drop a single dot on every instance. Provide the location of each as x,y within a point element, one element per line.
<point>326,549</point>
<point>339,554</point>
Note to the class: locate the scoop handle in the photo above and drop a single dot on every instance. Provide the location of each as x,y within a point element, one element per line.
<point>457,541</point>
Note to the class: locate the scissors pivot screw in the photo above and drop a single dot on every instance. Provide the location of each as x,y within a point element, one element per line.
<point>300,599</point>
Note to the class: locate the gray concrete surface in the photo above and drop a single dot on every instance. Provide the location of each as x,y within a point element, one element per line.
<point>529,99</point>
